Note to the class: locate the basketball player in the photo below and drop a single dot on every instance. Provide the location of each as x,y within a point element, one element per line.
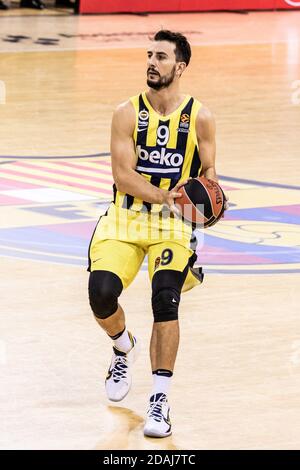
<point>159,139</point>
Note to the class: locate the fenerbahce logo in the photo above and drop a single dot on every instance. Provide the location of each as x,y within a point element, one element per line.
<point>158,160</point>
<point>143,120</point>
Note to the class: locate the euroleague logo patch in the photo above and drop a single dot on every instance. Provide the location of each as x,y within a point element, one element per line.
<point>184,123</point>
<point>185,118</point>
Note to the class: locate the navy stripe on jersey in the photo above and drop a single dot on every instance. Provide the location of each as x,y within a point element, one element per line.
<point>143,122</point>
<point>160,137</point>
<point>173,183</point>
<point>127,201</point>
<point>114,193</point>
<point>183,126</point>
<point>141,138</point>
<point>155,180</point>
<point>196,164</point>
<point>182,134</point>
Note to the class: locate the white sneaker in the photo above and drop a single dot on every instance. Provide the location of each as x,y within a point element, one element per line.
<point>118,379</point>
<point>158,422</point>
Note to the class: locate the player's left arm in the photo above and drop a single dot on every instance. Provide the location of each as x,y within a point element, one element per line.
<point>206,136</point>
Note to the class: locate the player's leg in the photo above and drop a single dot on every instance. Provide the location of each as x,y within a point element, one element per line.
<point>113,266</point>
<point>168,268</point>
<point>195,275</point>
<point>166,289</point>
<point>105,287</point>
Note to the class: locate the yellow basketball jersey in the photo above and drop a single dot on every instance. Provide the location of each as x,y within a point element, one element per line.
<point>166,148</point>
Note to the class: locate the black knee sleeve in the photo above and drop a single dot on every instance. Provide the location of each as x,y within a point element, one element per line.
<point>166,289</point>
<point>104,289</point>
<point>165,305</point>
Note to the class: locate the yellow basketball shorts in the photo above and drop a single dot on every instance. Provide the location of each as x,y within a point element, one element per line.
<point>123,238</point>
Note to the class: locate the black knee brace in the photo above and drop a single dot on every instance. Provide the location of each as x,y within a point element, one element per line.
<point>166,289</point>
<point>104,289</point>
<point>165,304</point>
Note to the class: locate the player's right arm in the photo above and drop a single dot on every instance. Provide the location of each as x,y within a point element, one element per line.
<point>123,160</point>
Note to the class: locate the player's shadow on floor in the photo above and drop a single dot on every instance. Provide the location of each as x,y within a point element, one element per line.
<point>128,433</point>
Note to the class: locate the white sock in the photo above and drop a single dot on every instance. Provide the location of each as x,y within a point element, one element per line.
<point>123,342</point>
<point>161,381</point>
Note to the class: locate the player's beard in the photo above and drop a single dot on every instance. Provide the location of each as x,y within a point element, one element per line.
<point>162,82</point>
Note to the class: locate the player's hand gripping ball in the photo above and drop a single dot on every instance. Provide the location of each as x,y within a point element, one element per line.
<point>202,202</point>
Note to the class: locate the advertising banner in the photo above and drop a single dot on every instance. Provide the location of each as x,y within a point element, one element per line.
<point>138,6</point>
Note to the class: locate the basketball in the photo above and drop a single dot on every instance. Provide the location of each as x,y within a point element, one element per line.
<point>202,202</point>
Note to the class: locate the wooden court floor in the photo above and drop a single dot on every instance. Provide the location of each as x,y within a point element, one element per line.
<point>237,378</point>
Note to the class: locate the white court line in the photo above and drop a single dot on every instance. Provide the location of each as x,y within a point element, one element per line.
<point>25,250</point>
<point>48,261</point>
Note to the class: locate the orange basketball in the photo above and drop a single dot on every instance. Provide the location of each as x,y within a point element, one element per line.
<point>202,202</point>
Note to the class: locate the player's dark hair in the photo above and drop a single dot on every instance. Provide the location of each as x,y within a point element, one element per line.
<point>183,49</point>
